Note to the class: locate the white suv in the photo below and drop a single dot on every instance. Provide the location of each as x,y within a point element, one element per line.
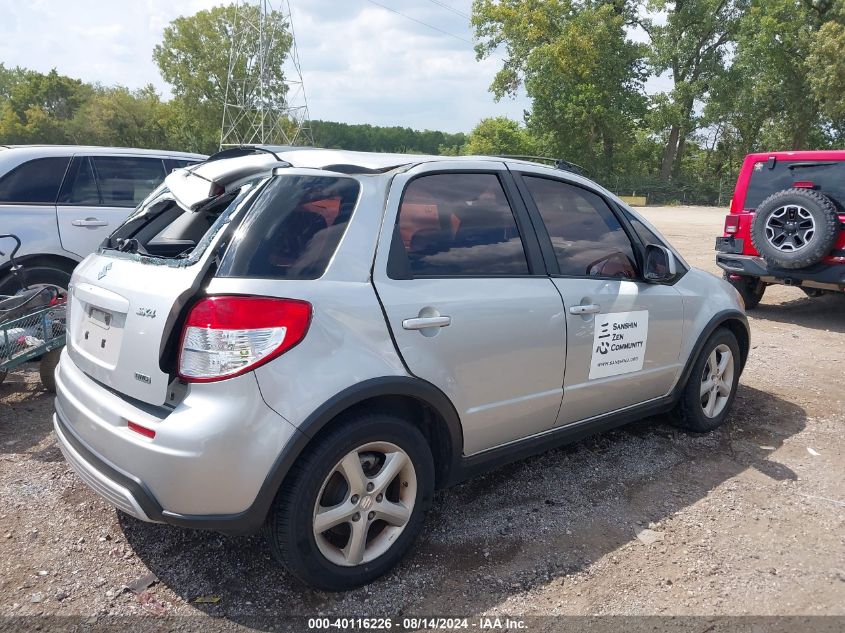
<point>313,341</point>
<point>63,200</point>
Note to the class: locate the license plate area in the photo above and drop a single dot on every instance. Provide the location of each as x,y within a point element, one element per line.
<point>732,245</point>
<point>100,335</point>
<point>99,317</point>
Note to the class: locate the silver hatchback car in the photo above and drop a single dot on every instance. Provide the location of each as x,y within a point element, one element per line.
<point>313,341</point>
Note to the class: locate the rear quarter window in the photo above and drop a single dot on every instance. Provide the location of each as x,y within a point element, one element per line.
<point>35,181</point>
<point>293,228</point>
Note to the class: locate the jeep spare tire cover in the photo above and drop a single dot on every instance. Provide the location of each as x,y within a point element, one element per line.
<point>795,228</point>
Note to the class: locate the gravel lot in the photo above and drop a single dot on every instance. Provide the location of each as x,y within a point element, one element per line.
<point>746,521</point>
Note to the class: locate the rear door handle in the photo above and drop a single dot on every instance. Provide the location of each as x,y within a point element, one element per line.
<point>421,323</point>
<point>590,308</point>
<point>90,222</point>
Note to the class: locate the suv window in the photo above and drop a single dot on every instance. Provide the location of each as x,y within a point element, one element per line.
<point>643,232</point>
<point>79,186</point>
<point>178,163</point>
<point>125,181</point>
<point>292,229</point>
<point>828,177</point>
<point>460,225</point>
<point>587,238</point>
<point>34,181</point>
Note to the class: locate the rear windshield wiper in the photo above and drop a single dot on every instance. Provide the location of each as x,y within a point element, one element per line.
<point>811,164</point>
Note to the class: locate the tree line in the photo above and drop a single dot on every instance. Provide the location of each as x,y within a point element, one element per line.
<point>741,76</point>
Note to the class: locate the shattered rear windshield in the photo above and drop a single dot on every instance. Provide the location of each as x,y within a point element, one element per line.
<point>161,231</point>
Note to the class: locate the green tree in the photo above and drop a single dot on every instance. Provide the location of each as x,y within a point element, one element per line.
<point>579,67</point>
<point>692,45</point>
<point>500,135</point>
<point>194,57</point>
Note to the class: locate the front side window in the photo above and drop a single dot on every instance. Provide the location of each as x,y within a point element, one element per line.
<point>587,238</point>
<point>293,228</point>
<point>36,181</point>
<point>125,181</point>
<point>460,225</point>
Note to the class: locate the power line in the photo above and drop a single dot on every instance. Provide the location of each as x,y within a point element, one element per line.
<point>426,24</point>
<point>450,8</point>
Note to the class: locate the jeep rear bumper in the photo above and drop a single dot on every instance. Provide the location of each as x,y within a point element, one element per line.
<point>821,275</point>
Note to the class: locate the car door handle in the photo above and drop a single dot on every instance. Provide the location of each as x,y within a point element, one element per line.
<point>90,222</point>
<point>421,323</point>
<point>590,308</point>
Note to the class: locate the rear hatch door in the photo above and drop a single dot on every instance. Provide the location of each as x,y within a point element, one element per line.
<point>119,320</point>
<point>124,306</point>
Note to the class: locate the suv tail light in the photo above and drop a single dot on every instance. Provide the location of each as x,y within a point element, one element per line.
<point>731,224</point>
<point>227,336</point>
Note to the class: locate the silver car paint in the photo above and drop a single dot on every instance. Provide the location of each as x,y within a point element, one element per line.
<point>190,467</point>
<point>501,359</point>
<point>40,226</point>
<point>505,383</point>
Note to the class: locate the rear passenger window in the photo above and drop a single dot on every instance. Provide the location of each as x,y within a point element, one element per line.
<point>79,186</point>
<point>125,180</point>
<point>292,229</point>
<point>36,181</point>
<point>587,238</point>
<point>460,225</point>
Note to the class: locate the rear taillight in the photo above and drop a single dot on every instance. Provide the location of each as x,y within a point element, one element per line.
<point>227,336</point>
<point>731,224</point>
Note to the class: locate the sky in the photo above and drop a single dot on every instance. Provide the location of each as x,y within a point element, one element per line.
<point>361,62</point>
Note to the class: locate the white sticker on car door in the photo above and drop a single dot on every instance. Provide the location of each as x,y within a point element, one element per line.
<point>619,343</point>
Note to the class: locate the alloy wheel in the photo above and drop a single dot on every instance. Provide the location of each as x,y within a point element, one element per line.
<point>364,504</point>
<point>717,381</point>
<point>790,228</point>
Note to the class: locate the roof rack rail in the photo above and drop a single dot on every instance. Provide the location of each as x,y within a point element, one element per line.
<point>242,150</point>
<point>557,163</point>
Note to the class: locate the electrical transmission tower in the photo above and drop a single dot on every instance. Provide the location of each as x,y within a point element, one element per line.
<point>265,96</point>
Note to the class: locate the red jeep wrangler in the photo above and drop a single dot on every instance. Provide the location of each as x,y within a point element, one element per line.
<point>786,224</point>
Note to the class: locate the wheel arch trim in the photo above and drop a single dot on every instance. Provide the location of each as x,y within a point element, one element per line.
<point>250,520</point>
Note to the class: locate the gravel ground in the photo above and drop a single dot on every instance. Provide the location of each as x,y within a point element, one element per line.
<point>645,520</point>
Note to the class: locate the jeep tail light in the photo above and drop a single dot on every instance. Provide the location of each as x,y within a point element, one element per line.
<point>227,336</point>
<point>731,224</point>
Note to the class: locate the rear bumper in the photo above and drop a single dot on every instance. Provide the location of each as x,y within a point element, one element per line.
<point>821,275</point>
<point>209,461</point>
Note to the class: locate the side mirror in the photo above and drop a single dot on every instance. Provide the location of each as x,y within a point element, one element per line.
<point>660,264</point>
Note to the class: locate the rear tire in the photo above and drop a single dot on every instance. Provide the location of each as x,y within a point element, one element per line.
<point>327,558</point>
<point>37,276</point>
<point>710,391</point>
<point>47,369</point>
<point>751,289</point>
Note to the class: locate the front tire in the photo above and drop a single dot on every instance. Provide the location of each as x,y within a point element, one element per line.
<point>354,504</point>
<point>711,388</point>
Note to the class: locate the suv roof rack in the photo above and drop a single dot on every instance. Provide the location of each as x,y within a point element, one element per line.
<point>557,163</point>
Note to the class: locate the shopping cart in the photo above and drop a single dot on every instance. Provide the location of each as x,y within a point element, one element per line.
<point>32,324</point>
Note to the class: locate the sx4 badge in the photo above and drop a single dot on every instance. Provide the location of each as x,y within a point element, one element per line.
<point>619,343</point>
